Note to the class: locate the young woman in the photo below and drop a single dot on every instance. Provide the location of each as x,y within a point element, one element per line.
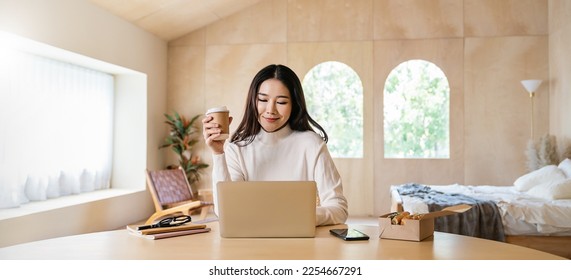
<point>276,142</point>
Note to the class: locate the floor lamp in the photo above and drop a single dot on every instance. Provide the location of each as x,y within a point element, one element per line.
<point>531,86</point>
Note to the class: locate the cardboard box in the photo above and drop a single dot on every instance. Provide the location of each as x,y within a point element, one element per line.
<point>416,230</point>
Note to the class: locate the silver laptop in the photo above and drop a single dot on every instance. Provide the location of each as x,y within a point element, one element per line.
<point>266,208</point>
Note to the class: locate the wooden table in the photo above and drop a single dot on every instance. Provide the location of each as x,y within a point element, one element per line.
<point>119,244</point>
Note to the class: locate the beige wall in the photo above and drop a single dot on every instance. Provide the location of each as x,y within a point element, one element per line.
<point>80,27</point>
<point>485,47</point>
<point>560,68</point>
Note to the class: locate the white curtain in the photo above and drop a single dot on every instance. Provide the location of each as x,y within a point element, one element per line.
<point>56,124</point>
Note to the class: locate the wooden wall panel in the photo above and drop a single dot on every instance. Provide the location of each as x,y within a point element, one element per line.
<point>413,19</point>
<point>505,17</point>
<point>560,70</point>
<point>329,20</point>
<point>497,106</point>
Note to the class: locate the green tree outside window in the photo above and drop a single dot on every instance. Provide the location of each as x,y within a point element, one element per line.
<point>416,111</point>
<point>334,97</point>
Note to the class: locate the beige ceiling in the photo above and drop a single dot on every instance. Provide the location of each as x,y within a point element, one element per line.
<point>170,19</point>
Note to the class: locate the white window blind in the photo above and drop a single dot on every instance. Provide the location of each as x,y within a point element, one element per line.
<point>56,125</point>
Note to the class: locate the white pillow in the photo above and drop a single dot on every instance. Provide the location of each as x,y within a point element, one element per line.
<point>565,166</point>
<point>553,190</point>
<point>546,174</point>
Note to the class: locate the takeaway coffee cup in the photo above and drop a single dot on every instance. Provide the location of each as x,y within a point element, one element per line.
<point>221,116</point>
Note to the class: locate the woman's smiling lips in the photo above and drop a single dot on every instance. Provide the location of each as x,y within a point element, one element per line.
<point>271,119</point>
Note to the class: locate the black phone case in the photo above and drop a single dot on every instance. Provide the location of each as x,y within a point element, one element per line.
<point>345,235</point>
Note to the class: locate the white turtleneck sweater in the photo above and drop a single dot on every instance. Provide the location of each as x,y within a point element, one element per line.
<point>286,155</point>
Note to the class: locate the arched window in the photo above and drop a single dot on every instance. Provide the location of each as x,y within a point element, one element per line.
<point>416,111</point>
<point>334,96</point>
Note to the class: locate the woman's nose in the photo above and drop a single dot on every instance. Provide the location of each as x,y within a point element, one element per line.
<point>271,108</point>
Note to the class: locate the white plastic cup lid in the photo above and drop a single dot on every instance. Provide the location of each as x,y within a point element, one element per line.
<point>217,109</point>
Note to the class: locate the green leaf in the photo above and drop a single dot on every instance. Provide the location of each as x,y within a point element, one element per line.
<point>169,117</point>
<point>183,135</point>
<point>177,149</point>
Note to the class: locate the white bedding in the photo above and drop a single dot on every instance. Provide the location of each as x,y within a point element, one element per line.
<point>522,214</point>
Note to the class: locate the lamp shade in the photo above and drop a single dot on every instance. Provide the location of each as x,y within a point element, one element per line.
<point>531,85</point>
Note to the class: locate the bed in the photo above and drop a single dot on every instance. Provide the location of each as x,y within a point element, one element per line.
<point>535,212</point>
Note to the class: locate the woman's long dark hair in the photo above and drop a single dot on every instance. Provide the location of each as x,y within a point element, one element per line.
<point>300,120</point>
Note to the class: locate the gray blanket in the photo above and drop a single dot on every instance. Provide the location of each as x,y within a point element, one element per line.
<point>483,220</point>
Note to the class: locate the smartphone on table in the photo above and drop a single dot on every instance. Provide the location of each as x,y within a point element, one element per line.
<point>349,234</point>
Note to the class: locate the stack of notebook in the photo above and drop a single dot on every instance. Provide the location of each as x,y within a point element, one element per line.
<point>166,232</point>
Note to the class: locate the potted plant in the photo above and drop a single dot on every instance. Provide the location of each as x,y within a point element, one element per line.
<point>182,136</point>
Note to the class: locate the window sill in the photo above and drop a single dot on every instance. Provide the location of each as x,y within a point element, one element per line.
<point>62,202</point>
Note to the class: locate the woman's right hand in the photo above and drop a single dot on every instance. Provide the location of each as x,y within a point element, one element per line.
<point>210,131</point>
